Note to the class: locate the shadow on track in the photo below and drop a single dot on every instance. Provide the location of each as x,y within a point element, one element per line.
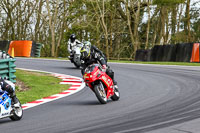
<point>74,68</point>
<point>4,121</point>
<point>78,103</point>
<point>64,68</point>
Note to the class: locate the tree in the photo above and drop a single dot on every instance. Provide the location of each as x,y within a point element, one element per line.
<point>187,21</point>
<point>148,25</point>
<point>118,28</point>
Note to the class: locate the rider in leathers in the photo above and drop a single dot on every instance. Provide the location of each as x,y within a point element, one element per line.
<point>7,86</point>
<point>91,54</point>
<point>72,44</point>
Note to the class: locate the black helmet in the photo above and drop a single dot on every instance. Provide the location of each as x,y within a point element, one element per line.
<point>72,37</point>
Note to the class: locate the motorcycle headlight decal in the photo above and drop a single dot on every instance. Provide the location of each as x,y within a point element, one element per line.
<point>105,80</point>
<point>96,72</point>
<point>85,76</point>
<point>98,75</point>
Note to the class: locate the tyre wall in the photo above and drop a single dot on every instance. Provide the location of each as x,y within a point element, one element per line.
<point>7,67</point>
<point>154,52</point>
<point>4,45</point>
<point>170,53</point>
<point>187,52</point>
<point>36,48</point>
<point>142,55</point>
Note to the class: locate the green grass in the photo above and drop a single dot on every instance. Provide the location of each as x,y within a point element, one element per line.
<point>158,63</point>
<point>40,85</point>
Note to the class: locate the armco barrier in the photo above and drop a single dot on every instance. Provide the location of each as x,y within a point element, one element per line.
<point>7,67</point>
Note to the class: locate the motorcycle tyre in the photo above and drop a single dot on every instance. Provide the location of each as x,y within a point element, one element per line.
<point>15,117</point>
<point>71,60</point>
<point>77,66</point>
<point>116,96</point>
<point>98,95</point>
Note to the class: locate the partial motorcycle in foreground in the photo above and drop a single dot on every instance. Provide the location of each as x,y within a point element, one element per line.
<point>75,56</point>
<point>7,109</point>
<point>100,83</point>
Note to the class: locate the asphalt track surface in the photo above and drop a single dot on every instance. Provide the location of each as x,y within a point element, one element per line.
<point>152,97</point>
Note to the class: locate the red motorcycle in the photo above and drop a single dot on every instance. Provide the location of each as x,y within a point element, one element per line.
<point>100,83</point>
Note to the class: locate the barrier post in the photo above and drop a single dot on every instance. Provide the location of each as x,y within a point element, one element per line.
<point>195,53</point>
<point>13,52</point>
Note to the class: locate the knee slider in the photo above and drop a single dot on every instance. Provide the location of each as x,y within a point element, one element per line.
<point>9,89</point>
<point>110,73</point>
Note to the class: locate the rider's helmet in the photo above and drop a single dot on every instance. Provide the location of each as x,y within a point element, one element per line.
<point>73,37</point>
<point>87,44</point>
<point>85,52</point>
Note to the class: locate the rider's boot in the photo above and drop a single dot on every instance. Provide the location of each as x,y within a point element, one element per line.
<point>15,101</point>
<point>115,84</point>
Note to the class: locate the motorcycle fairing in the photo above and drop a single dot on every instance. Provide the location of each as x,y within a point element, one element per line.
<point>5,105</point>
<point>93,74</point>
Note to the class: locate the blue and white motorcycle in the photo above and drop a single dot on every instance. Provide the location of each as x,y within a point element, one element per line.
<point>15,112</point>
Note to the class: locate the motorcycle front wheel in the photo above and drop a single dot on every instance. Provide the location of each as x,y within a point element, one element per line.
<point>100,93</point>
<point>17,113</point>
<point>76,65</point>
<point>116,95</point>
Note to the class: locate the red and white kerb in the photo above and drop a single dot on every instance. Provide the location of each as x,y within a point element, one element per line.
<point>77,84</point>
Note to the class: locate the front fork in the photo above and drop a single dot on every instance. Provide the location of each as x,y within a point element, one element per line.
<point>108,92</point>
<point>91,85</point>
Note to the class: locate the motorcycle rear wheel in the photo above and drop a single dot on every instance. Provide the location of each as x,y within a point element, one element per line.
<point>116,95</point>
<point>100,94</point>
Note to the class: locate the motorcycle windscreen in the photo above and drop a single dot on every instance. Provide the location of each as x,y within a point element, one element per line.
<point>90,68</point>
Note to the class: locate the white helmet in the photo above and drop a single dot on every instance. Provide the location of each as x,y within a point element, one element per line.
<point>87,44</point>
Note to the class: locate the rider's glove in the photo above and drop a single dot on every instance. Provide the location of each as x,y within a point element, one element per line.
<point>104,68</point>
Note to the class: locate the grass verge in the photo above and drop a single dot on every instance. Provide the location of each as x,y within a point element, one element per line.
<point>35,85</point>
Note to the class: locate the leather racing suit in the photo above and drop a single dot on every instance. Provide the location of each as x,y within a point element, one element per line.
<point>73,45</point>
<point>97,56</point>
<point>9,87</point>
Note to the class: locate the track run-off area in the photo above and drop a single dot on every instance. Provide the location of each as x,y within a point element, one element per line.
<point>154,99</point>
